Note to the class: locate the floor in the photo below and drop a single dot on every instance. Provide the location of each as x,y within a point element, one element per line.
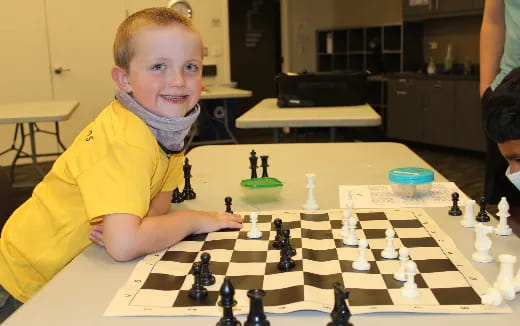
<point>465,168</point>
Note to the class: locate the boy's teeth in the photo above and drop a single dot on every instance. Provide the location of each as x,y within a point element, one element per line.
<point>173,97</point>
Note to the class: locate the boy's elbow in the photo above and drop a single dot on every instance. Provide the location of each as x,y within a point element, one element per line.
<point>121,252</point>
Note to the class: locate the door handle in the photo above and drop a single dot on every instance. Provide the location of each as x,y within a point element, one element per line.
<point>59,69</point>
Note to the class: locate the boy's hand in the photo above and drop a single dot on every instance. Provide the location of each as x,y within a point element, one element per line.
<point>214,221</point>
<point>96,235</point>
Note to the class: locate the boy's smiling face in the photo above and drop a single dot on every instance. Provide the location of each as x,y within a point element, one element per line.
<point>165,72</point>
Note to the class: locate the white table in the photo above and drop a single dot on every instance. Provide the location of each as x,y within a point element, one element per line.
<point>267,114</point>
<point>31,113</point>
<point>80,293</point>
<point>215,93</point>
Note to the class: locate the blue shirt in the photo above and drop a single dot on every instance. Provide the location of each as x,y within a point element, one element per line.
<point>511,56</point>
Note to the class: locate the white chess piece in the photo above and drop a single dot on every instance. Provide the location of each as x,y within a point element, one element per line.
<point>409,289</point>
<point>482,244</point>
<point>311,203</point>
<point>503,212</point>
<point>468,220</point>
<point>517,282</point>
<point>492,297</point>
<point>350,239</point>
<point>389,252</point>
<point>505,283</point>
<point>345,226</point>
<point>361,263</point>
<point>400,274</point>
<point>254,233</point>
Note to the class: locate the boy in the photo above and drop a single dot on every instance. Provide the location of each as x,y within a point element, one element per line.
<point>503,123</point>
<point>122,167</point>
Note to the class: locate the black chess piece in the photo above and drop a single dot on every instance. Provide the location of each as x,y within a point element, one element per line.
<point>482,215</point>
<point>206,277</point>
<point>256,316</point>
<point>455,210</point>
<point>253,159</point>
<point>286,262</point>
<point>278,226</point>
<point>197,291</point>
<point>340,314</point>
<point>227,292</point>
<point>228,200</point>
<point>177,196</point>
<point>187,192</point>
<point>287,235</point>
<point>264,159</point>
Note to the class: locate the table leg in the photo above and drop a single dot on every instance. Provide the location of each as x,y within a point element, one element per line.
<point>226,126</point>
<point>332,134</point>
<point>58,139</point>
<point>276,135</point>
<point>19,128</point>
<point>33,149</point>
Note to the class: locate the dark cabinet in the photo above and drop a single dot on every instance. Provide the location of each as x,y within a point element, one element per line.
<point>426,9</point>
<point>435,111</point>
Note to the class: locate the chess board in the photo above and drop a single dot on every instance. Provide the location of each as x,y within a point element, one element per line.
<point>447,281</point>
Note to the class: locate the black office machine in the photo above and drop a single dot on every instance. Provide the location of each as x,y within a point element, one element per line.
<point>321,89</point>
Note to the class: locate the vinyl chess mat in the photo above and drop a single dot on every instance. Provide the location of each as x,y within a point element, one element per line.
<point>447,281</point>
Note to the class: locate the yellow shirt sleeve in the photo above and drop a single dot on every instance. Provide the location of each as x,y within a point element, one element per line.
<point>119,183</point>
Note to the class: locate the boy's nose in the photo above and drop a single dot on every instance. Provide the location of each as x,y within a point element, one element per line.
<point>177,79</point>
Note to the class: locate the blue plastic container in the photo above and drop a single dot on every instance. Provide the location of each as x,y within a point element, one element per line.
<point>411,181</point>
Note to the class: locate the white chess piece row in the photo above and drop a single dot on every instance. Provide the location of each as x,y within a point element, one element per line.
<point>468,220</point>
<point>505,287</point>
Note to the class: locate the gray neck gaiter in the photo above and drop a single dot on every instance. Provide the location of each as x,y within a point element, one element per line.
<point>169,132</point>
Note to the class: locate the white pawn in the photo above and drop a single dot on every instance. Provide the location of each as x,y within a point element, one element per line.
<point>345,227</point>
<point>468,220</point>
<point>389,252</point>
<point>517,282</point>
<point>350,239</point>
<point>400,274</point>
<point>254,233</point>
<point>505,283</point>
<point>311,203</point>
<point>482,244</point>
<point>409,289</point>
<point>492,297</point>
<point>361,263</point>
<point>503,212</point>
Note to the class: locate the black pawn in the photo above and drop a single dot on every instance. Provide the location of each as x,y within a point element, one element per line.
<point>278,226</point>
<point>197,291</point>
<point>187,192</point>
<point>340,314</point>
<point>264,159</point>
<point>177,196</point>
<point>227,292</point>
<point>228,200</point>
<point>252,161</point>
<point>455,210</point>
<point>256,316</point>
<point>286,263</point>
<point>287,235</point>
<point>482,215</point>
<point>206,277</point>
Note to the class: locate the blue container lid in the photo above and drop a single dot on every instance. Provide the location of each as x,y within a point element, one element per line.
<point>411,176</point>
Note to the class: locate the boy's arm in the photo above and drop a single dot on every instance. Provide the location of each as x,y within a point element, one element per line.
<point>160,204</point>
<point>492,35</point>
<point>127,236</point>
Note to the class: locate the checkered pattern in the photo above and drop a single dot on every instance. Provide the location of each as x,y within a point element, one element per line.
<point>321,260</point>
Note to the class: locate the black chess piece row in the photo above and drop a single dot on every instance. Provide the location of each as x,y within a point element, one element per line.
<point>455,210</point>
<point>253,159</point>
<point>282,241</point>
<point>340,314</point>
<point>187,193</point>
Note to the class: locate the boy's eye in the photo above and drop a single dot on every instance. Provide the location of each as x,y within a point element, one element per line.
<point>158,66</point>
<point>192,67</point>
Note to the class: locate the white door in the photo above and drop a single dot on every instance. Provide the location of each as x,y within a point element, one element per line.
<point>81,34</point>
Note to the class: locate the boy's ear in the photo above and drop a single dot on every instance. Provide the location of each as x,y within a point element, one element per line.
<point>120,77</point>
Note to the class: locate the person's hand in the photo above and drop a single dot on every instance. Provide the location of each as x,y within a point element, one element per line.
<point>96,235</point>
<point>214,221</point>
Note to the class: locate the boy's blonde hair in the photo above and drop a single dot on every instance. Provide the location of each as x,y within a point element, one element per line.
<point>123,50</point>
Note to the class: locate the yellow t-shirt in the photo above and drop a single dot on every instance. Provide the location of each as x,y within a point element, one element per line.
<point>115,165</point>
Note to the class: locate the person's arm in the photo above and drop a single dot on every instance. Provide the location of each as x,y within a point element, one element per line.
<point>126,236</point>
<point>492,35</point>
